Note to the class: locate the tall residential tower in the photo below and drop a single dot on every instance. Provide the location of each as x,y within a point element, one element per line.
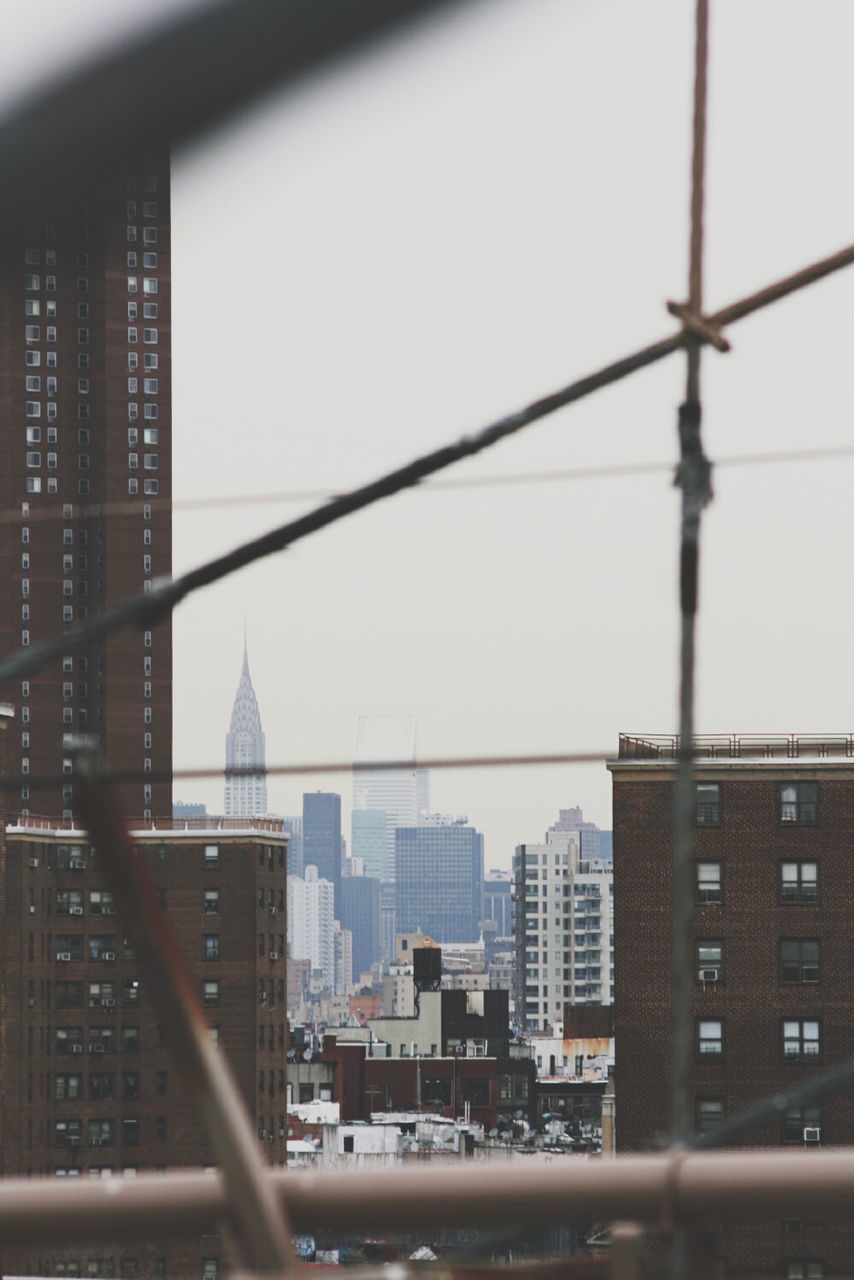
<point>85,477</point>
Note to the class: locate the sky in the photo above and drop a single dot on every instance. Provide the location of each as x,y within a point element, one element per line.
<point>430,236</point>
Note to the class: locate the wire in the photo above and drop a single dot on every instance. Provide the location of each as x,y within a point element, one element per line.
<point>150,608</point>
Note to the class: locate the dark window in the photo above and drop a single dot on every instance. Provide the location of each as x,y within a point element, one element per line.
<point>798,802</point>
<point>210,946</point>
<point>710,1039</point>
<point>708,804</point>
<point>710,960</point>
<point>102,1084</point>
<point>799,960</point>
<point>348,1141</point>
<point>801,1040</point>
<point>130,1132</point>
<point>799,882</point>
<point>436,1092</point>
<point>709,888</point>
<point>130,1084</point>
<point>709,1114</point>
<point>475,1089</point>
<point>802,1125</point>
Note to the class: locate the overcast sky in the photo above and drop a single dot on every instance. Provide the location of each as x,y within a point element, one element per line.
<point>429,238</point>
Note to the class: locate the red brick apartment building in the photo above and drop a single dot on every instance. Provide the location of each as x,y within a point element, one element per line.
<point>87,1083</point>
<point>773,962</point>
<point>85,400</point>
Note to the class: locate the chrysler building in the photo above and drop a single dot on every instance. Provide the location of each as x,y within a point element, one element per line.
<point>245,793</point>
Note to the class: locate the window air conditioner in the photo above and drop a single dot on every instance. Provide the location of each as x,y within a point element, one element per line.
<point>108,1004</point>
<point>75,911</point>
<point>97,1048</point>
<point>77,1048</point>
<point>812,1135</point>
<point>95,1142</point>
<point>274,955</point>
<point>709,975</point>
<point>72,1140</point>
<point>34,862</point>
<point>108,911</point>
<point>77,866</point>
<point>63,955</point>
<point>108,955</point>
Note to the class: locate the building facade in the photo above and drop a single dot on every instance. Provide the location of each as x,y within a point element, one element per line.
<point>771,959</point>
<point>246,750</point>
<point>321,839</point>
<point>360,913</point>
<point>311,923</point>
<point>564,929</point>
<point>439,880</point>
<point>85,461</point>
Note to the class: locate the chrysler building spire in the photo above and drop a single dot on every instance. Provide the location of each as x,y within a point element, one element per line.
<point>245,793</point>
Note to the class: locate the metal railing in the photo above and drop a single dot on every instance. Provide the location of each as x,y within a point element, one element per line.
<point>739,746</point>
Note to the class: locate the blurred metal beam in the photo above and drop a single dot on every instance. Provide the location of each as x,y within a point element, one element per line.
<point>170,84</point>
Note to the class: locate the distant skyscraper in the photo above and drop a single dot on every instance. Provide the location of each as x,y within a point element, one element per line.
<point>592,844</point>
<point>245,793</point>
<point>293,826</point>
<point>360,913</point>
<point>394,791</point>
<point>311,923</point>
<point>321,838</point>
<point>369,840</point>
<point>498,902</point>
<point>439,881</point>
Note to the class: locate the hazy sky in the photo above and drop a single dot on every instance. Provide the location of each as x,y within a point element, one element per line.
<point>427,239</point>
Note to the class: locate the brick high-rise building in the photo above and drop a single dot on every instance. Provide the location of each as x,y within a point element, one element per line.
<point>772,963</point>
<point>85,471</point>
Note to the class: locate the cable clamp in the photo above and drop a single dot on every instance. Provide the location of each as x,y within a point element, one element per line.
<point>698,325</point>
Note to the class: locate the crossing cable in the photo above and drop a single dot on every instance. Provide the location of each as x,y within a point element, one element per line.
<point>693,478</point>
<point>150,608</point>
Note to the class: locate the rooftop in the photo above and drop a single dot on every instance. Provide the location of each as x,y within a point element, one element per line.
<point>740,746</point>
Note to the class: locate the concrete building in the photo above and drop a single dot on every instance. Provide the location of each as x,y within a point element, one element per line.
<point>85,463</point>
<point>311,923</point>
<point>321,838</point>
<point>772,962</point>
<point>564,929</point>
<point>439,879</point>
<point>245,749</point>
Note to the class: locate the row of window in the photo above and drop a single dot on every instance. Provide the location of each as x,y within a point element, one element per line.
<point>69,1133</point>
<point>797,803</point>
<point>104,1085</point>
<point>797,883</point>
<point>34,485</point>
<point>799,960</point>
<point>798,1124</point>
<point>800,1039</point>
<point>128,1268</point>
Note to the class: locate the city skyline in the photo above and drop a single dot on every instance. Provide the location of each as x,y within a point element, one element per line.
<point>514,639</point>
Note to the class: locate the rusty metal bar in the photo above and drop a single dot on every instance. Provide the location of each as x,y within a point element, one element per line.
<point>259,1222</point>
<point>705,1189</point>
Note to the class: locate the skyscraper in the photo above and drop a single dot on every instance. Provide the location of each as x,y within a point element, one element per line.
<point>360,913</point>
<point>311,922</point>
<point>85,459</point>
<point>245,793</point>
<point>393,791</point>
<point>439,880</point>
<point>321,838</point>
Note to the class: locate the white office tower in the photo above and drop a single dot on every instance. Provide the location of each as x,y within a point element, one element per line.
<point>245,748</point>
<point>564,928</point>
<point>311,923</point>
<point>393,791</point>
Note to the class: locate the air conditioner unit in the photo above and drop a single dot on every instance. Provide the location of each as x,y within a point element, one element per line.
<point>97,1048</point>
<point>709,975</point>
<point>109,1004</point>
<point>77,1048</point>
<point>274,955</point>
<point>75,911</point>
<point>63,955</point>
<point>108,955</point>
<point>32,911</point>
<point>72,1140</point>
<point>812,1135</point>
<point>108,911</point>
<point>34,862</point>
<point>77,866</point>
<point>95,1142</point>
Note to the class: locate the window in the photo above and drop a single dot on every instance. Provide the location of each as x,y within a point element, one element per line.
<point>150,336</point>
<point>710,1040</point>
<point>132,338</point>
<point>149,208</point>
<point>708,804</point>
<point>710,960</point>
<point>149,285</point>
<point>799,960</point>
<point>34,409</point>
<point>33,359</point>
<point>799,882</point>
<point>102,1084</point>
<point>130,1132</point>
<point>150,460</point>
<point>149,310</point>
<point>150,412</point>
<point>709,888</point>
<point>802,1124</point>
<point>210,946</point>
<point>797,802</point>
<point>32,282</point>
<point>709,1114</point>
<point>210,902</point>
<point>211,853</point>
<point>150,486</point>
<point>801,1040</point>
<point>130,1084</point>
<point>68,1087</point>
<point>210,993</point>
<point>130,1039</point>
<point>804,1269</point>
